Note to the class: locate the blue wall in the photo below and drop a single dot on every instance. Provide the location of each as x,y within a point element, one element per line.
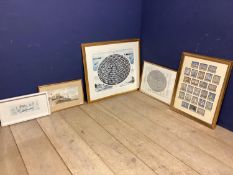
<point>40,39</point>
<point>197,26</point>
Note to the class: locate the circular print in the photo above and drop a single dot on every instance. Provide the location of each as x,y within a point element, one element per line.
<point>157,81</point>
<point>114,69</point>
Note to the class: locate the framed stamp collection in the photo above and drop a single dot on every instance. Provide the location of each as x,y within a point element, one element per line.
<point>111,68</point>
<point>201,86</point>
<point>64,95</point>
<point>158,82</point>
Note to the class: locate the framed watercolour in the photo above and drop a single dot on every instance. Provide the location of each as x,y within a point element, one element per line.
<point>64,95</point>
<point>200,87</point>
<point>111,68</point>
<point>23,108</point>
<point>158,82</point>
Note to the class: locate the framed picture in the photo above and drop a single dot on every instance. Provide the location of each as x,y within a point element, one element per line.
<point>23,108</point>
<point>158,82</point>
<point>111,68</point>
<point>200,87</point>
<point>64,95</point>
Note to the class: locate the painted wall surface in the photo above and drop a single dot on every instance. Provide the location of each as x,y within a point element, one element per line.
<point>196,26</point>
<point>40,39</point>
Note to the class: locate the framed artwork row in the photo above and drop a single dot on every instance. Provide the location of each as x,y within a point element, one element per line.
<point>50,98</point>
<point>200,87</point>
<point>111,68</point>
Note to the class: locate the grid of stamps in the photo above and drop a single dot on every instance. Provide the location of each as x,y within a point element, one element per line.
<point>198,88</point>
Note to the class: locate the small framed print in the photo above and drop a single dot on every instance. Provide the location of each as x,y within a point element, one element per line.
<point>23,108</point>
<point>64,95</point>
<point>159,82</point>
<point>111,68</point>
<point>202,98</point>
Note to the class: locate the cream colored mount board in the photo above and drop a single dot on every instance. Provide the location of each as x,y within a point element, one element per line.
<point>23,108</point>
<point>201,87</point>
<point>158,82</point>
<point>64,95</point>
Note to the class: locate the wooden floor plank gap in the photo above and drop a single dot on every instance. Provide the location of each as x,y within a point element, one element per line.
<point>38,153</point>
<point>150,140</point>
<point>205,148</point>
<point>228,141</point>
<point>122,161</point>
<point>19,151</point>
<point>227,167</point>
<point>92,148</point>
<point>54,147</point>
<point>82,150</point>
<point>117,140</point>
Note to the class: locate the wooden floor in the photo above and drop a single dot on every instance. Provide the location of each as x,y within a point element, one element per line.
<point>124,135</point>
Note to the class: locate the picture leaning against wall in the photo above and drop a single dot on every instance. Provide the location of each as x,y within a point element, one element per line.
<point>64,95</point>
<point>23,108</point>
<point>111,68</point>
<point>201,87</point>
<point>158,82</point>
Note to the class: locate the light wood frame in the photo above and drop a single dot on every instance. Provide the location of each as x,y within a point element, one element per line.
<point>64,85</point>
<point>162,67</point>
<point>105,43</point>
<point>228,63</point>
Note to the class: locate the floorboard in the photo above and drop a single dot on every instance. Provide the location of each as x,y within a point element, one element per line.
<point>77,155</point>
<point>114,154</point>
<point>130,134</point>
<point>153,155</point>
<point>11,162</point>
<point>190,154</point>
<point>208,144</point>
<point>219,133</point>
<point>37,152</point>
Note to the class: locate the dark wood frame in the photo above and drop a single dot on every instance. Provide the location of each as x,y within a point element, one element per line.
<point>84,45</point>
<point>173,70</point>
<point>219,102</point>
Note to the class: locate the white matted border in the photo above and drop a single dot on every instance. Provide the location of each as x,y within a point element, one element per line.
<point>91,49</point>
<point>23,108</point>
<point>170,75</point>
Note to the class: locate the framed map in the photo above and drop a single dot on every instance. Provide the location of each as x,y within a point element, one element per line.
<point>158,82</point>
<point>200,87</point>
<point>111,68</point>
<point>64,95</point>
<point>23,108</point>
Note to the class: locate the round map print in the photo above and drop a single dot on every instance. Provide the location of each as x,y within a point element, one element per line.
<point>114,69</point>
<point>157,81</point>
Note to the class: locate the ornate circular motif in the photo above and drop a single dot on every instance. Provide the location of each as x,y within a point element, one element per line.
<point>157,81</point>
<point>114,69</point>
